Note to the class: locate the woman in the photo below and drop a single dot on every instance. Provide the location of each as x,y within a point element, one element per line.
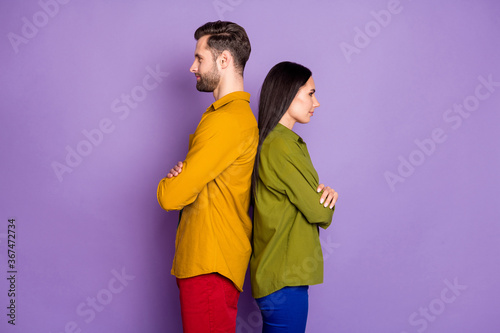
<point>290,204</point>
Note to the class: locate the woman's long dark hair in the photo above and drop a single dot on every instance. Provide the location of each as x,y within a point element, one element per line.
<point>277,93</point>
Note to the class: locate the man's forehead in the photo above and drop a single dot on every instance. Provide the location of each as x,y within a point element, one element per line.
<point>201,44</point>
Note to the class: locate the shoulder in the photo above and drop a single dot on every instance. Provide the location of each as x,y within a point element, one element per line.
<point>279,144</point>
<point>228,126</point>
<point>235,113</point>
<point>278,151</point>
<point>239,113</point>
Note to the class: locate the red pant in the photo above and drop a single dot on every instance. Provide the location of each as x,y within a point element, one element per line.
<point>209,303</point>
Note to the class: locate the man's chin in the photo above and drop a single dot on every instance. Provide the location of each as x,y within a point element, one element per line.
<point>203,88</point>
<point>208,84</point>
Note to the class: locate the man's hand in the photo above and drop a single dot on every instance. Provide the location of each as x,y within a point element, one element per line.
<point>175,171</point>
<point>329,196</point>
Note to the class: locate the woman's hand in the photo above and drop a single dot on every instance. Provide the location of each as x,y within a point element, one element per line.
<point>175,171</point>
<point>329,196</point>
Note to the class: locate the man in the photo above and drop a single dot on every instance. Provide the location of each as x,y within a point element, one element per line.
<point>212,186</point>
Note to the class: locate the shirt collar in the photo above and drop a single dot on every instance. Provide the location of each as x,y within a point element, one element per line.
<point>228,99</point>
<point>288,133</point>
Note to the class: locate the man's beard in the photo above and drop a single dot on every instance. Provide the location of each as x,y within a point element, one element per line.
<point>209,81</point>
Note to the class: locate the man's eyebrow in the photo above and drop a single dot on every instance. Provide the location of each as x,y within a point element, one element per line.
<point>313,90</point>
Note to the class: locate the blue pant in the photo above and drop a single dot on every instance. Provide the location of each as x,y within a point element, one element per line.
<point>285,310</point>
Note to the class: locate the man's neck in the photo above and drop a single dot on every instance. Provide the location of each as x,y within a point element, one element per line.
<point>227,86</point>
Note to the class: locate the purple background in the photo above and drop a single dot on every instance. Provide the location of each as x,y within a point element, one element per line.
<point>391,252</point>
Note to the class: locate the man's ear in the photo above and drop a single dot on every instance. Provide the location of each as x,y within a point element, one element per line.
<point>225,59</point>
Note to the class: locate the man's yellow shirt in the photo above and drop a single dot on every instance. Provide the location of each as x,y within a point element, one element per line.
<point>213,190</point>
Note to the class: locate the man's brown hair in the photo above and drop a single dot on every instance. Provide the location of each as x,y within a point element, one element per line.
<point>228,36</point>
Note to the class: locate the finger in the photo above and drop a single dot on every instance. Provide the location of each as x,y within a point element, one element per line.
<point>334,201</point>
<point>179,164</point>
<point>169,175</point>
<point>329,191</point>
<point>320,187</point>
<point>323,197</point>
<point>326,190</point>
<point>328,199</point>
